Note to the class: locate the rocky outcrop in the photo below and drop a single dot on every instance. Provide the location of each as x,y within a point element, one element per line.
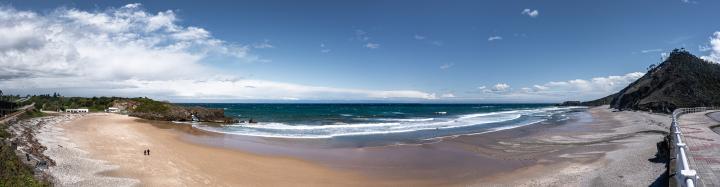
<point>181,113</point>
<point>164,111</point>
<point>682,80</point>
<point>570,103</point>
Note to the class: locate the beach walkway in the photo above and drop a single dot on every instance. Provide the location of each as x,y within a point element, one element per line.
<point>703,145</point>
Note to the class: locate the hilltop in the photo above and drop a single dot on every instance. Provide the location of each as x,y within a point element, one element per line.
<point>682,80</point>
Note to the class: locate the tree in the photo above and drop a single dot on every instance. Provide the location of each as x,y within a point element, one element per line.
<point>651,67</point>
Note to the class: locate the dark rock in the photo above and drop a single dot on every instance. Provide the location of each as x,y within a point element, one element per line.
<point>570,103</point>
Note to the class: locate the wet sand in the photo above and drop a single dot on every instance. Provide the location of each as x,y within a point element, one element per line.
<point>595,148</point>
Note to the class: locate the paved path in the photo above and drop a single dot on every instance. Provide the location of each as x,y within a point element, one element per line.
<point>704,146</point>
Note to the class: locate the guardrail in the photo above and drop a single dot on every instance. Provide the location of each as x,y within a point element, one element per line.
<point>684,174</point>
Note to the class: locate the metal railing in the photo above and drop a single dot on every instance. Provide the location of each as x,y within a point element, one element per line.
<point>684,174</point>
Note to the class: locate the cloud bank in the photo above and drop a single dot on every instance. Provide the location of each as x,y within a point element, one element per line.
<point>576,89</point>
<point>128,51</point>
<point>714,48</point>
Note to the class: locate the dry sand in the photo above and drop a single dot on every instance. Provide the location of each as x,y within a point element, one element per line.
<point>73,165</point>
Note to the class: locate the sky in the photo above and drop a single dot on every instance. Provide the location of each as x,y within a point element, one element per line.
<point>345,51</point>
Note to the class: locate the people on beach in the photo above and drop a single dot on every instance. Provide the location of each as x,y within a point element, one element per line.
<point>146,152</point>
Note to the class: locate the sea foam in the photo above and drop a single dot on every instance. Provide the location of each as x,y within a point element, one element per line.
<point>376,126</point>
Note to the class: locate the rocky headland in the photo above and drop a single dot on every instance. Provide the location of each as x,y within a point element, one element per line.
<point>682,80</point>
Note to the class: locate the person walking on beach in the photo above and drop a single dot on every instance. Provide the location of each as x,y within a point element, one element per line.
<point>148,152</point>
<point>145,152</point>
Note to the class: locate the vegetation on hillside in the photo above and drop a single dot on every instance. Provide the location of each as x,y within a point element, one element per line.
<point>57,102</point>
<point>149,105</point>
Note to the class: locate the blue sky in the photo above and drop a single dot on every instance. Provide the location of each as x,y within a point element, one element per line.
<point>427,51</point>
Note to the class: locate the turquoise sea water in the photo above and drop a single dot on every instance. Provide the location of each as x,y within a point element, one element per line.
<point>384,121</point>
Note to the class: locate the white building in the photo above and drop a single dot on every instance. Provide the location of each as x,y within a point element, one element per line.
<point>77,110</point>
<point>112,110</point>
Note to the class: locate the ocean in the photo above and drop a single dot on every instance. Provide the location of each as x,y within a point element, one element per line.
<point>394,122</point>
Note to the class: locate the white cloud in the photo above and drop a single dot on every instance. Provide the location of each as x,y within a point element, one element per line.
<point>581,89</point>
<point>361,35</point>
<point>372,45</point>
<point>447,66</point>
<point>715,48</point>
<point>526,89</point>
<point>554,91</point>
<point>501,87</point>
<point>212,88</point>
<point>531,13</point>
<point>127,51</point>
<point>650,50</point>
<point>703,48</point>
<point>263,45</point>
<point>323,49</point>
<point>437,43</point>
<point>540,88</point>
<point>448,95</point>
<point>498,88</point>
<point>492,38</point>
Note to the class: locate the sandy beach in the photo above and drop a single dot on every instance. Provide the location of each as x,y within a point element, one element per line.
<point>603,149</point>
<point>120,140</point>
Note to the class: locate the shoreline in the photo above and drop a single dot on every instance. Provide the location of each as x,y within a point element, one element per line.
<point>575,148</point>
